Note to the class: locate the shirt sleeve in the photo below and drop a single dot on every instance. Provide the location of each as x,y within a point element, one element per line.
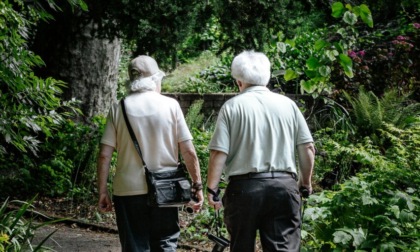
<point>109,136</point>
<point>221,136</point>
<point>184,133</point>
<point>303,133</point>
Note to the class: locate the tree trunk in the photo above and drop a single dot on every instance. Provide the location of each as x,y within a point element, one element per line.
<point>87,63</point>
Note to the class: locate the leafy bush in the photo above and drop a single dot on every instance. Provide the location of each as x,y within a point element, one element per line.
<point>374,202</point>
<point>65,162</point>
<point>17,232</point>
<point>319,58</point>
<point>177,80</point>
<point>31,105</point>
<point>203,76</point>
<point>367,213</point>
<point>370,112</point>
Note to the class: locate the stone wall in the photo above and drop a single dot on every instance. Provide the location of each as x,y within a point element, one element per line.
<point>213,102</point>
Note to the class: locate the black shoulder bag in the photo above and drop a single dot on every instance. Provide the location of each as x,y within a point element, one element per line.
<point>165,189</point>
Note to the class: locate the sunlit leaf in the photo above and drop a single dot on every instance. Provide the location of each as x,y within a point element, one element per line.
<point>290,75</point>
<point>324,71</point>
<point>350,18</point>
<point>281,46</point>
<point>342,237</point>
<point>308,86</point>
<point>366,15</point>
<point>319,44</point>
<point>331,54</point>
<point>337,9</point>
<point>347,64</point>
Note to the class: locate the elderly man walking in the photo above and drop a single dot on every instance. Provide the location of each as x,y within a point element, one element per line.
<point>254,143</point>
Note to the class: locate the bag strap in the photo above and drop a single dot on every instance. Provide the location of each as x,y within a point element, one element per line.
<point>130,130</point>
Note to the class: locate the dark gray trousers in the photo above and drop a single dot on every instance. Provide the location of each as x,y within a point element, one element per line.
<point>142,228</point>
<point>269,205</point>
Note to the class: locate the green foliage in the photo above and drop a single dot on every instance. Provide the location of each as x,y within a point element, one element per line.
<point>207,38</point>
<point>215,79</point>
<point>322,53</point>
<point>371,216</point>
<point>65,165</point>
<point>202,224</point>
<point>157,28</point>
<point>177,80</point>
<point>202,132</point>
<point>372,210</point>
<point>31,105</point>
<point>331,114</point>
<point>341,156</point>
<point>370,112</point>
<point>17,232</point>
<point>206,75</point>
<point>243,26</point>
<point>194,118</point>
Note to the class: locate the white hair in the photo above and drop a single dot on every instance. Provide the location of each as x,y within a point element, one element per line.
<point>146,83</point>
<point>251,68</point>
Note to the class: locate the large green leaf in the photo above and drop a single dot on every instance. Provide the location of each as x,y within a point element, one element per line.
<point>324,71</point>
<point>308,86</point>
<point>366,15</point>
<point>337,9</point>
<point>347,64</point>
<point>342,237</point>
<point>290,75</point>
<point>312,63</point>
<point>331,54</point>
<point>319,44</point>
<point>350,18</point>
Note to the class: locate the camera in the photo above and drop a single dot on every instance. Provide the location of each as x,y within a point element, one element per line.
<point>221,243</point>
<point>189,209</point>
<point>304,192</point>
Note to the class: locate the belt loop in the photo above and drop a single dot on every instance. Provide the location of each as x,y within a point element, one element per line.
<point>272,174</point>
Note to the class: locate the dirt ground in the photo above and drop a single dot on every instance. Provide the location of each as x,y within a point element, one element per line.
<point>76,239</point>
<point>83,231</point>
<point>72,238</point>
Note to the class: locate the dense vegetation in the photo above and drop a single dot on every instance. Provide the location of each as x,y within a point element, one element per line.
<point>359,64</point>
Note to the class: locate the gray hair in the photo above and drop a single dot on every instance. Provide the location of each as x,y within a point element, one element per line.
<point>251,68</point>
<point>146,83</point>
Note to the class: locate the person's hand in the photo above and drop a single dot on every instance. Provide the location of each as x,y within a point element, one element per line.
<point>305,189</point>
<point>197,201</point>
<point>213,198</point>
<point>104,203</point>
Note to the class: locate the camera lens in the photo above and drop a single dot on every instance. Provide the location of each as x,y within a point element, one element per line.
<point>189,210</point>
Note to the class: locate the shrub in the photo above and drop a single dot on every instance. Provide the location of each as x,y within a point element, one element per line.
<point>17,232</point>
<point>65,162</point>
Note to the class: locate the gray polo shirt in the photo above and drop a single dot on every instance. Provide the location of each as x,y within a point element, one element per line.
<point>259,131</point>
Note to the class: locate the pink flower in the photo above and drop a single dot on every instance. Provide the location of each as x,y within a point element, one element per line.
<point>362,53</point>
<point>416,25</point>
<point>400,38</point>
<point>352,54</point>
